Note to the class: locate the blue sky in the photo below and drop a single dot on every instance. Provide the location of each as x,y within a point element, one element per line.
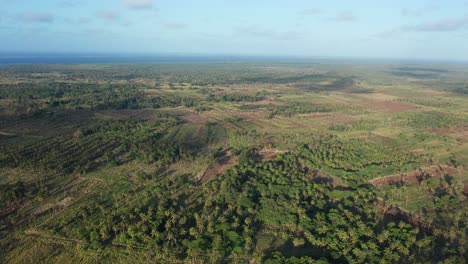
<point>414,29</point>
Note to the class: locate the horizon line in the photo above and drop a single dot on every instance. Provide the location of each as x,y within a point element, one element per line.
<point>148,56</point>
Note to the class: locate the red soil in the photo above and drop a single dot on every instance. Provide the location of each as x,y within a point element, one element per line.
<point>391,106</point>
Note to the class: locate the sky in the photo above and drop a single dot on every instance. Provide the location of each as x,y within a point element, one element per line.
<point>416,29</point>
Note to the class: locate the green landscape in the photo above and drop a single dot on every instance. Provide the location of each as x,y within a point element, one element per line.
<point>234,162</point>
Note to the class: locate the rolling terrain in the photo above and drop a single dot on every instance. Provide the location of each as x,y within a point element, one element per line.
<point>236,162</point>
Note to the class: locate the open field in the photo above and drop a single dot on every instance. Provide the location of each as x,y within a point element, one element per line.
<point>234,163</point>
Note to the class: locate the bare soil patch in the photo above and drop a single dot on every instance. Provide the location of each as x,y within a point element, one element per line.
<point>186,115</point>
<point>413,177</point>
<point>399,213</point>
<point>391,106</point>
<point>328,118</point>
<point>194,118</point>
<point>6,134</point>
<point>269,154</point>
<point>141,114</point>
<point>221,165</point>
<point>65,202</point>
<point>456,131</point>
<point>143,81</point>
<point>13,207</point>
<point>379,96</point>
<point>250,116</point>
<point>266,101</point>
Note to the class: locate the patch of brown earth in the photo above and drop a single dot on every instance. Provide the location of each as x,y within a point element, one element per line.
<point>144,81</point>
<point>391,106</point>
<point>221,165</point>
<point>65,202</point>
<point>457,131</point>
<point>6,134</point>
<point>399,213</point>
<point>378,96</point>
<point>12,207</point>
<point>328,118</point>
<point>194,118</point>
<point>266,101</point>
<point>141,114</point>
<point>269,154</point>
<point>437,171</point>
<point>249,116</point>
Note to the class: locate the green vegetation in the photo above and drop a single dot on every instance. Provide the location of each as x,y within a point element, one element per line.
<point>233,163</point>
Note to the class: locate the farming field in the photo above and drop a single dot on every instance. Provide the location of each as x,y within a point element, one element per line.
<point>291,162</point>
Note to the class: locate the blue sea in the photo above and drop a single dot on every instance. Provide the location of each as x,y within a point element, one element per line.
<point>44,58</point>
<point>77,58</point>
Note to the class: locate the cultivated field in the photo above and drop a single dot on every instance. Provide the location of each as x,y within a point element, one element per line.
<point>234,162</point>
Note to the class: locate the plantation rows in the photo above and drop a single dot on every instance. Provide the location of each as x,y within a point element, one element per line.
<point>433,119</point>
<point>294,109</point>
<point>359,157</point>
<point>103,140</point>
<point>290,110</point>
<point>64,155</point>
<point>231,216</point>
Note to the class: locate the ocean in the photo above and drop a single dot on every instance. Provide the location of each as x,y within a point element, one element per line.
<point>94,58</point>
<point>30,58</point>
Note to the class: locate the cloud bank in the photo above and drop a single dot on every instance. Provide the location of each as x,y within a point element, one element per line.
<point>108,15</point>
<point>139,4</point>
<point>441,25</point>
<point>35,17</point>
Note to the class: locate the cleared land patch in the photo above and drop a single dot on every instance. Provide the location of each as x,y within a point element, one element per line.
<point>391,106</point>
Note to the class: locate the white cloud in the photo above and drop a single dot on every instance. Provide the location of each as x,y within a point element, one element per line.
<point>310,12</point>
<point>35,17</point>
<point>257,32</point>
<point>419,11</point>
<point>345,16</point>
<point>68,3</point>
<point>175,25</point>
<point>445,25</point>
<point>139,4</point>
<point>106,14</point>
<point>82,20</point>
<point>410,12</point>
<point>441,25</point>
